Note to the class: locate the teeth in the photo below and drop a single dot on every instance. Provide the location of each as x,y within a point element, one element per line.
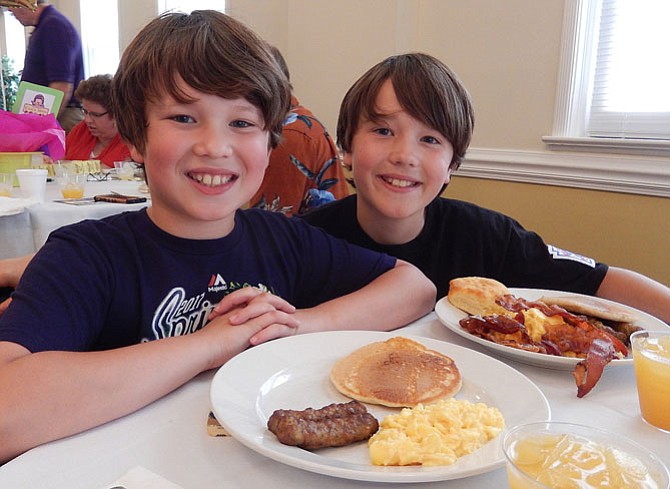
<point>212,180</point>
<point>399,183</point>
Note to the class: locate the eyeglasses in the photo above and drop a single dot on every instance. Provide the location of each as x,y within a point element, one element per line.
<point>94,115</point>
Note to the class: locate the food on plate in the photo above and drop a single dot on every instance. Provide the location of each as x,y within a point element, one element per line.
<point>591,306</point>
<point>434,434</point>
<point>334,425</point>
<point>538,327</point>
<point>477,295</point>
<point>398,372</point>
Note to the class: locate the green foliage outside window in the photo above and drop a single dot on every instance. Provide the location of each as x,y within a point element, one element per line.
<point>10,83</point>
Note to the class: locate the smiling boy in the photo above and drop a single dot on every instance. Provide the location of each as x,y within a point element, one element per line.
<point>403,128</point>
<point>110,315</point>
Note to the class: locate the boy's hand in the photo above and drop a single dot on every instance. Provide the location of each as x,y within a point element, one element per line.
<point>267,315</point>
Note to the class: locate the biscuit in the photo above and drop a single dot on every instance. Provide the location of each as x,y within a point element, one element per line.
<point>477,295</point>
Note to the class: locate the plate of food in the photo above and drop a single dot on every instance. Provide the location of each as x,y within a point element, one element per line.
<point>298,377</point>
<point>473,294</point>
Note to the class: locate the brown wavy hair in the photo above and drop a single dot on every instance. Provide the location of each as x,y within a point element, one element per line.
<point>425,87</point>
<point>98,89</point>
<point>212,53</point>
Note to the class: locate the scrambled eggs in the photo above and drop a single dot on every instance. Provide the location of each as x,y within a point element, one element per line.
<point>435,434</point>
<point>536,322</point>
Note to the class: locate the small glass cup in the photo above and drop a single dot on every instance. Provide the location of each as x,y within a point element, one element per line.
<point>72,185</point>
<point>551,454</point>
<point>6,184</point>
<point>651,357</point>
<point>125,170</point>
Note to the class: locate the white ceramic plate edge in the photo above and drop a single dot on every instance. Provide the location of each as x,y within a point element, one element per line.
<point>450,315</point>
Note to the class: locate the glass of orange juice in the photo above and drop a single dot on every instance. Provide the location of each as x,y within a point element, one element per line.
<point>651,357</point>
<point>72,185</point>
<point>556,455</point>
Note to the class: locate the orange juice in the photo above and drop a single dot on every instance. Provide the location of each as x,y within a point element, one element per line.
<point>71,191</point>
<point>651,356</point>
<point>573,461</point>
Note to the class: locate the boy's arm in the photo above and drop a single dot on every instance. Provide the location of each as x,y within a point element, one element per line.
<point>49,395</point>
<point>636,290</point>
<point>394,299</point>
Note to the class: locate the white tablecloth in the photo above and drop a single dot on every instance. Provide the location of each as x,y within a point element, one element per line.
<point>169,438</point>
<point>27,231</point>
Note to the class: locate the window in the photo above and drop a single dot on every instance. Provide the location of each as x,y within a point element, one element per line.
<point>614,76</point>
<point>100,39</point>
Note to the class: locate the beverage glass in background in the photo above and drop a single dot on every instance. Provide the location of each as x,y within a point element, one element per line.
<point>551,455</point>
<point>651,357</point>
<point>72,185</point>
<point>6,184</point>
<point>33,183</point>
<point>125,170</point>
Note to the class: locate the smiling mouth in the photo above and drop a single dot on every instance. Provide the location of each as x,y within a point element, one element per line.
<point>396,182</point>
<point>210,180</point>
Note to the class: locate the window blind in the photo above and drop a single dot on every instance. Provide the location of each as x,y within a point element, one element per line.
<point>631,85</point>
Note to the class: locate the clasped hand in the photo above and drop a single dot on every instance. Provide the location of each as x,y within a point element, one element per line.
<point>265,316</point>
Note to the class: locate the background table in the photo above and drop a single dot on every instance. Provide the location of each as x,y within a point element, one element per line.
<point>169,438</point>
<point>27,231</point>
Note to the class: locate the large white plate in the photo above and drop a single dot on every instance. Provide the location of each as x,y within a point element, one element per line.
<point>450,317</point>
<point>293,373</point>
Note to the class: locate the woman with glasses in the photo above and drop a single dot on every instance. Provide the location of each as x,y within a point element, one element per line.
<point>96,137</point>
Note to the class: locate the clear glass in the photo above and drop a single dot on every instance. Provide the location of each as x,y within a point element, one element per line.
<point>651,357</point>
<point>553,454</point>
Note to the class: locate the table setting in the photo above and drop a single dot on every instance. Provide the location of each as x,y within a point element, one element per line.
<point>27,220</point>
<point>172,439</point>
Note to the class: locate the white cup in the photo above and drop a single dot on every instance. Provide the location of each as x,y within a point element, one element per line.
<point>33,183</point>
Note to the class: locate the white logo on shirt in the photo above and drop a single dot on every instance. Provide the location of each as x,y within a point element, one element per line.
<point>560,254</point>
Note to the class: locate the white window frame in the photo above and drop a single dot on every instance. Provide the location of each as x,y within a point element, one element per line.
<point>573,90</point>
<point>615,165</point>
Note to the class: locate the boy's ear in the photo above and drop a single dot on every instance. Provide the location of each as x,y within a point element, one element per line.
<point>136,155</point>
<point>346,160</point>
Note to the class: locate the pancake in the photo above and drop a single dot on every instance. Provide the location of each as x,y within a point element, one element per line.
<point>477,295</point>
<point>398,372</point>
<point>592,306</point>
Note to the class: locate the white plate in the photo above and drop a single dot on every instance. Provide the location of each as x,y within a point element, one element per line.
<point>450,317</point>
<point>293,373</point>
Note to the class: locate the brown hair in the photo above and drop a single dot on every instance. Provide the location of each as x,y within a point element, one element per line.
<point>212,53</point>
<point>97,89</point>
<point>425,87</point>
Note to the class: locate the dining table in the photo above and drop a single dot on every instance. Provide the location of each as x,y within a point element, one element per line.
<point>25,225</point>
<point>168,440</point>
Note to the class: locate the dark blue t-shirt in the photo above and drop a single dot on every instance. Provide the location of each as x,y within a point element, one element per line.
<point>117,281</point>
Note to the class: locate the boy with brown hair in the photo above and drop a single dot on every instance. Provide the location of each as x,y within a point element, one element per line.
<point>404,128</point>
<point>113,314</point>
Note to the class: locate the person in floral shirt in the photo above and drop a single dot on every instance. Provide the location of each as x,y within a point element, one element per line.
<point>304,170</point>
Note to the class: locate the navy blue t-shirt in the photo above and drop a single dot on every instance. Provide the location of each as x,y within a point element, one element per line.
<point>121,280</point>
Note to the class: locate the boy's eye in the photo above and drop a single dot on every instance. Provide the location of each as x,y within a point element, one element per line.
<point>430,139</point>
<point>383,131</point>
<point>241,124</point>
<point>184,119</point>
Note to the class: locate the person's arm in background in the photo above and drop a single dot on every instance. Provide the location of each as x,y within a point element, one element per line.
<point>636,290</point>
<point>67,89</point>
<point>11,270</point>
